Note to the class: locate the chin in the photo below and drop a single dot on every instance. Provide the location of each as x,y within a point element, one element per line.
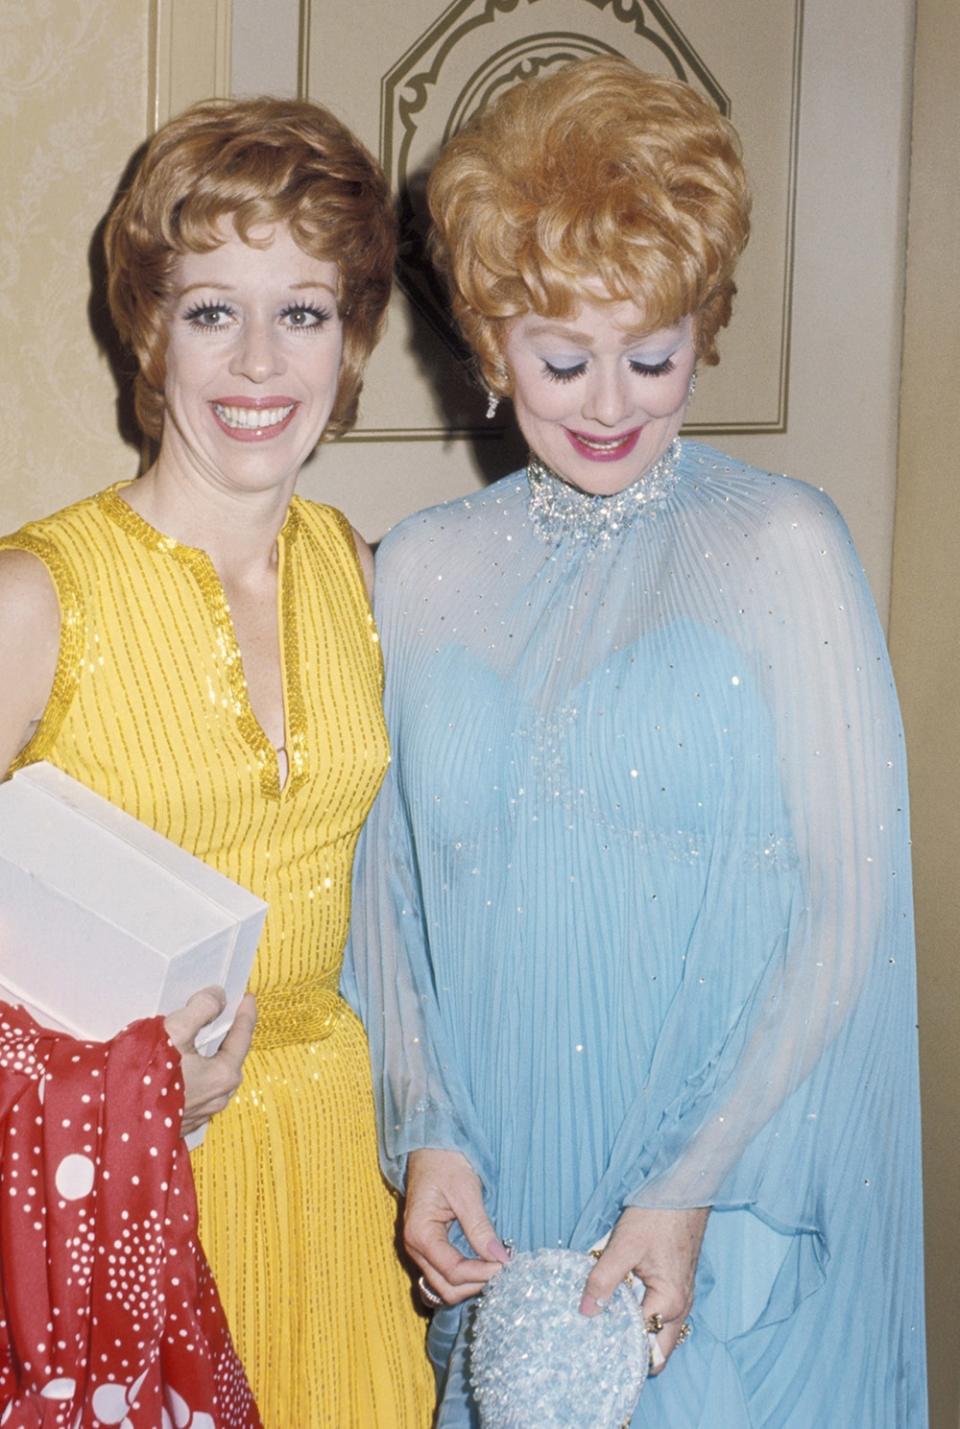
<point>601,480</point>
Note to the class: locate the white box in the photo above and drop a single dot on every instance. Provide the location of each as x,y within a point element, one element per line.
<point>103,920</point>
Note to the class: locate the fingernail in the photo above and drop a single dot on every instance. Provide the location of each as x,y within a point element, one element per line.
<point>592,1305</point>
<point>657,1357</point>
<point>497,1251</point>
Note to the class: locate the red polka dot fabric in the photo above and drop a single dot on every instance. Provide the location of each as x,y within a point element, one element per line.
<point>109,1313</point>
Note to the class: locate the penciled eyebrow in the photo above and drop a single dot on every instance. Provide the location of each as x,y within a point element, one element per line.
<point>229,288</point>
<point>585,339</point>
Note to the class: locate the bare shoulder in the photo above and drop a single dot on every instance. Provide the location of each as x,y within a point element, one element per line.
<point>28,599</point>
<point>29,643</point>
<point>365,557</point>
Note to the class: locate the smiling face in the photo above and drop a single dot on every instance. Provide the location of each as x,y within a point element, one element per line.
<point>598,399</point>
<point>252,362</point>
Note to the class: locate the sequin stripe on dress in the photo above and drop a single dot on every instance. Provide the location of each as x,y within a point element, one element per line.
<point>211,589</point>
<point>306,1012</point>
<point>72,626</point>
<point>363,598</point>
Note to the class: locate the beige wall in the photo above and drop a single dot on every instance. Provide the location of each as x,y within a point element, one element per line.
<point>73,106</point>
<point>79,90</point>
<point>925,641</point>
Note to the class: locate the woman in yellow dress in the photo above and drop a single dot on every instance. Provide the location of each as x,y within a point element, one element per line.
<point>197,646</point>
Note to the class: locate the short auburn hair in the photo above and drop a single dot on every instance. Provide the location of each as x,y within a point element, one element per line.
<point>255,161</point>
<point>596,171</point>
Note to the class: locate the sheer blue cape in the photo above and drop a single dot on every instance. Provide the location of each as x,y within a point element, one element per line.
<point>632,917</point>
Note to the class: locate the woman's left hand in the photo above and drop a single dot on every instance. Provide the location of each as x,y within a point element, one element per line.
<point>662,1248</point>
<point>209,1082</point>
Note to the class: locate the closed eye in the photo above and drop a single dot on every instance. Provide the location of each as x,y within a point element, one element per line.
<point>652,369</point>
<point>563,374</point>
<point>642,369</point>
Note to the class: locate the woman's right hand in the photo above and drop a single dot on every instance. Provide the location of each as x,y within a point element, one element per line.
<point>209,1082</point>
<point>442,1187</point>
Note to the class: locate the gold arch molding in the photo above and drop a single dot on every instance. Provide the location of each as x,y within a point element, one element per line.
<point>450,64</point>
<point>421,101</point>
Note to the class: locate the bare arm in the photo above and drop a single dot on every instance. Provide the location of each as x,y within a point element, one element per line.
<point>29,645</point>
<point>365,557</point>
<point>29,642</point>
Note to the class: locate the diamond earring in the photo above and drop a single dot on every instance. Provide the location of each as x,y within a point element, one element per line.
<point>493,402</point>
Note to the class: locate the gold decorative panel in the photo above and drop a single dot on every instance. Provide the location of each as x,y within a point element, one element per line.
<point>190,54</point>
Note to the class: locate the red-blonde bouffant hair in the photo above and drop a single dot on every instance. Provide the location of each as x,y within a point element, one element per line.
<point>595,172</point>
<point>256,161</point>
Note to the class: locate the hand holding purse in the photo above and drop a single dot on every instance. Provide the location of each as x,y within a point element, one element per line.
<point>534,1359</point>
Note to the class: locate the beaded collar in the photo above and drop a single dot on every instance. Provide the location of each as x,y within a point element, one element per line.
<point>559,510</point>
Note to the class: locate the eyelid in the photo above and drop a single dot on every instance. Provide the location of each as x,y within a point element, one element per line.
<point>204,305</point>
<point>306,305</point>
<point>652,359</point>
<point>652,369</point>
<point>558,373</point>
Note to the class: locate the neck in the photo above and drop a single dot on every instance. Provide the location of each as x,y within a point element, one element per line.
<point>561,511</point>
<point>237,529</point>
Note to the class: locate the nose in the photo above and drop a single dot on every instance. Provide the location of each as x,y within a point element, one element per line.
<point>607,399</point>
<point>257,355</point>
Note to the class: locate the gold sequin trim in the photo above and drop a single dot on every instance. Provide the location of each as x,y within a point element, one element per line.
<point>72,634</point>
<point>308,1012</point>
<point>290,654</point>
<point>200,566</point>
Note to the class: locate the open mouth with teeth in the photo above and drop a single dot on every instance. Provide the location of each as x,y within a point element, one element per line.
<point>604,448</point>
<point>253,423</point>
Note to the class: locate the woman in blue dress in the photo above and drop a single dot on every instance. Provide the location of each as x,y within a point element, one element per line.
<point>633,924</point>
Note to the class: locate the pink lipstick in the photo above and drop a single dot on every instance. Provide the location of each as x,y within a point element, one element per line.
<point>254,419</point>
<point>598,448</point>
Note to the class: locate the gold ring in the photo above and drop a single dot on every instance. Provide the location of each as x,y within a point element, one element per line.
<point>686,1330</point>
<point>429,1296</point>
<point>654,1324</point>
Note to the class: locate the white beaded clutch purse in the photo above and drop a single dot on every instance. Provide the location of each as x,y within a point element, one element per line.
<point>535,1360</point>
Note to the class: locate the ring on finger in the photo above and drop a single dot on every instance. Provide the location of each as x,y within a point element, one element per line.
<point>653,1324</point>
<point>428,1295</point>
<point>686,1330</point>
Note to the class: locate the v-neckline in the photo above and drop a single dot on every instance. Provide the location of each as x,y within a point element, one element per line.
<point>204,573</point>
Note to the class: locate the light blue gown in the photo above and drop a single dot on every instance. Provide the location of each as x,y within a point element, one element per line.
<point>632,917</point>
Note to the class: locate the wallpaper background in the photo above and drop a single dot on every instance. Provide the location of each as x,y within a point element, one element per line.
<point>73,106</point>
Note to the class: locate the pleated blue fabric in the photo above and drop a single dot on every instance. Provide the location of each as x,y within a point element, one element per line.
<point>632,917</point>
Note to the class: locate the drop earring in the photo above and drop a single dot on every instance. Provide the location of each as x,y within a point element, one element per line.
<point>493,402</point>
<point>693,385</point>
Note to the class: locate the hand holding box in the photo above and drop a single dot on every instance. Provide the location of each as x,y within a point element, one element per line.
<point>103,920</point>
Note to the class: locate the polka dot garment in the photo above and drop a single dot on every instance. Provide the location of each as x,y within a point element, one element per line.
<point>110,1315</point>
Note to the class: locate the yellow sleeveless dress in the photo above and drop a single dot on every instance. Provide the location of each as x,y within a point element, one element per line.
<point>149,709</point>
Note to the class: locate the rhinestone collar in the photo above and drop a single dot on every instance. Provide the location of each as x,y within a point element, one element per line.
<point>559,510</point>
